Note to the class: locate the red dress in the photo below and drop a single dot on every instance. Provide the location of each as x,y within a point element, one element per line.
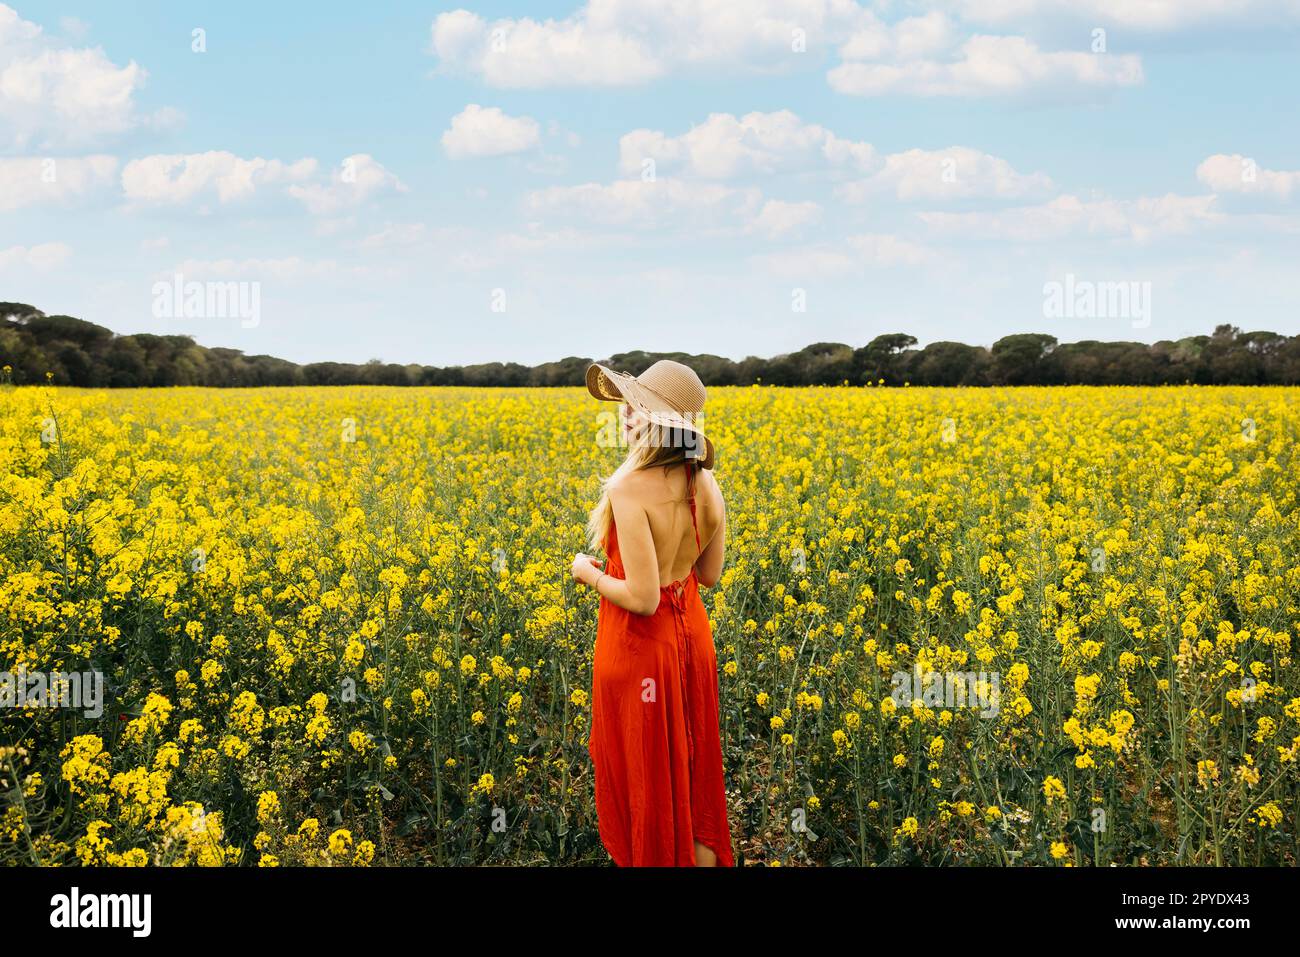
<point>655,741</point>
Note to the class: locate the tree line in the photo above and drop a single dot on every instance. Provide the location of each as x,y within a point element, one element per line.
<point>71,351</point>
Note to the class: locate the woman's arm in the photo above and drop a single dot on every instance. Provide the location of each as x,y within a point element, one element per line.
<point>708,567</point>
<point>638,592</point>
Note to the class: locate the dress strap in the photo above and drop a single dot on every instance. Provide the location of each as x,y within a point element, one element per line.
<point>691,468</point>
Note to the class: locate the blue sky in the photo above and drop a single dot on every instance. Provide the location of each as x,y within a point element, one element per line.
<point>443,184</point>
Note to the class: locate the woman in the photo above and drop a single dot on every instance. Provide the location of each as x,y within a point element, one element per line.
<point>655,742</point>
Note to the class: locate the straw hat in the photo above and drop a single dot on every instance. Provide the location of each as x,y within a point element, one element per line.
<point>668,394</point>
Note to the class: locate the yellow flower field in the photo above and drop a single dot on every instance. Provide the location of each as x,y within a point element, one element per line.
<point>336,626</point>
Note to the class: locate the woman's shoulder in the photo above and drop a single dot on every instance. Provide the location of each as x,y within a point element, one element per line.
<point>648,486</point>
<point>631,487</point>
<point>708,486</point>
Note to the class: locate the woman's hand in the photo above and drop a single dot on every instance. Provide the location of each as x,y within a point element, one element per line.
<point>586,569</point>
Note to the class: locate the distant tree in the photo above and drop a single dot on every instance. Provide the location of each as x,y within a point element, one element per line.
<point>822,363</point>
<point>1106,363</point>
<point>77,352</point>
<point>330,373</point>
<point>376,372</point>
<point>1184,358</point>
<point>268,370</point>
<point>750,370</point>
<point>1283,363</point>
<point>14,311</point>
<point>1024,359</point>
<point>882,358</point>
<point>45,328</point>
<point>569,371</point>
<point>127,362</point>
<point>1233,356</point>
<point>948,363</point>
<point>634,362</point>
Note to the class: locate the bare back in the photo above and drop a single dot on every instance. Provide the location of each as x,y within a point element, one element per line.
<point>662,495</point>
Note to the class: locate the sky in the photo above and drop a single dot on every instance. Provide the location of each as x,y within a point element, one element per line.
<point>528,181</point>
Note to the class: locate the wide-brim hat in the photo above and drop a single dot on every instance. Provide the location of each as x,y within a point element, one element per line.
<point>668,394</point>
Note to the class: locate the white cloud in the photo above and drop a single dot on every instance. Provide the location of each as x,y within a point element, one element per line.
<point>777,217</point>
<point>988,66</point>
<point>908,39</point>
<point>357,180</point>
<point>954,173</point>
<point>1069,216</point>
<point>54,96</point>
<point>1149,15</point>
<point>32,181</point>
<point>644,204</point>
<point>217,176</point>
<point>478,131</point>
<point>42,256</point>
<point>525,53</point>
<point>724,146</point>
<point>625,42</point>
<point>1241,174</point>
<point>177,179</point>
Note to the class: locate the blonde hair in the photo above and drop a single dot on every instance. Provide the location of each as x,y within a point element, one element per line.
<point>647,449</point>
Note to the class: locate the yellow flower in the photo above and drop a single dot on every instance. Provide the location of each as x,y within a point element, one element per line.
<point>1207,773</point>
<point>270,580</point>
<point>486,783</point>
<point>1269,815</point>
<point>268,807</point>
<point>1053,789</point>
<point>340,842</point>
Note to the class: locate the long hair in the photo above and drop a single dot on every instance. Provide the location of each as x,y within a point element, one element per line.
<point>650,447</point>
